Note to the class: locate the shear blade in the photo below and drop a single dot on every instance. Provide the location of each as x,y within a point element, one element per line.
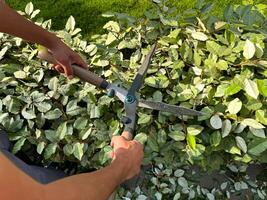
<point>177,110</point>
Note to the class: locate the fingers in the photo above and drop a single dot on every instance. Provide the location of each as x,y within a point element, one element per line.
<point>59,68</point>
<point>79,61</point>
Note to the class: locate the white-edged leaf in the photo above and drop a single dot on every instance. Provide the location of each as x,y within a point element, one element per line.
<point>234,106</point>
<point>194,129</point>
<point>20,74</point>
<point>111,38</point>
<point>70,25</point>
<point>216,122</point>
<point>61,131</point>
<point>78,150</point>
<point>199,36</point>
<point>28,113</point>
<point>18,145</point>
<point>29,8</point>
<point>3,52</point>
<point>252,123</point>
<point>251,88</point>
<point>40,147</point>
<point>257,132</point>
<point>241,143</point>
<point>141,137</point>
<point>182,182</point>
<point>112,26</point>
<point>226,127</point>
<point>179,173</point>
<point>53,114</point>
<point>249,49</point>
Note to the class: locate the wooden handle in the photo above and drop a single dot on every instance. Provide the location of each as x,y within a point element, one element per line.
<point>80,72</point>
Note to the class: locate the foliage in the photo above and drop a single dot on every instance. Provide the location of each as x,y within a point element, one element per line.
<point>218,66</point>
<point>88,13</point>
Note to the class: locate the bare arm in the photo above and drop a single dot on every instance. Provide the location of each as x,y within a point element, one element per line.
<point>98,185</point>
<point>14,24</point>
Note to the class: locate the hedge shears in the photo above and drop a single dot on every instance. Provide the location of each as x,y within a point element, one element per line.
<point>128,97</point>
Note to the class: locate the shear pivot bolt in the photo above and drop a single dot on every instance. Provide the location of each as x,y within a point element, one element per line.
<point>129,99</point>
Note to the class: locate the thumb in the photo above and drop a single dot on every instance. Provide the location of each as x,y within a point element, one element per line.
<point>66,65</point>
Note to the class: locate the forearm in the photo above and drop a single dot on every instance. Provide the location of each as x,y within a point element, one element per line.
<point>97,185</point>
<point>14,24</point>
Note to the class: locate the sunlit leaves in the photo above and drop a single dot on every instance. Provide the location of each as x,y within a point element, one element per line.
<point>249,49</point>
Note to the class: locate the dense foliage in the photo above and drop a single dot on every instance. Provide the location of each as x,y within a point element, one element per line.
<point>217,66</point>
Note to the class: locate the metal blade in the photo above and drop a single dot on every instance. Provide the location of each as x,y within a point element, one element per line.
<point>138,80</point>
<point>168,108</point>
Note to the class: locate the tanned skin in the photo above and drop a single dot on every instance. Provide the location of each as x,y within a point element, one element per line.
<point>126,156</point>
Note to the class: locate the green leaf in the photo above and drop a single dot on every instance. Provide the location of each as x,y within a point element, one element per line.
<point>241,143</point>
<point>216,122</point>
<point>40,147</point>
<point>177,135</point>
<point>53,114</point>
<point>179,173</point>
<point>251,88</point>
<point>70,25</point>
<point>144,119</point>
<point>78,150</point>
<point>84,134</point>
<point>29,8</point>
<point>259,51</point>
<point>18,145</point>
<point>222,65</point>
<point>199,36</point>
<point>214,48</point>
<point>194,129</point>
<point>258,146</point>
<point>72,109</point>
<point>226,127</point>
<point>261,116</point>
<point>262,86</point>
<point>215,138</point>
<point>80,123</point>
<point>141,137</point>
<point>157,96</point>
<point>234,106</point>
<point>191,141</point>
<point>152,143</point>
<point>61,131</point>
<point>249,49</point>
<point>50,150</point>
<point>68,149</point>
<point>252,123</point>
<point>232,89</point>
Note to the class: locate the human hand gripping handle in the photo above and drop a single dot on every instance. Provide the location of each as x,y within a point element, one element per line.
<point>78,70</point>
<point>128,152</point>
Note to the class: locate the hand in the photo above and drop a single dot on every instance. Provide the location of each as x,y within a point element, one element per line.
<point>65,57</point>
<point>129,154</point>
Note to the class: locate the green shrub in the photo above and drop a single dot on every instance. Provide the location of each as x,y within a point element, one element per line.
<point>217,66</point>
